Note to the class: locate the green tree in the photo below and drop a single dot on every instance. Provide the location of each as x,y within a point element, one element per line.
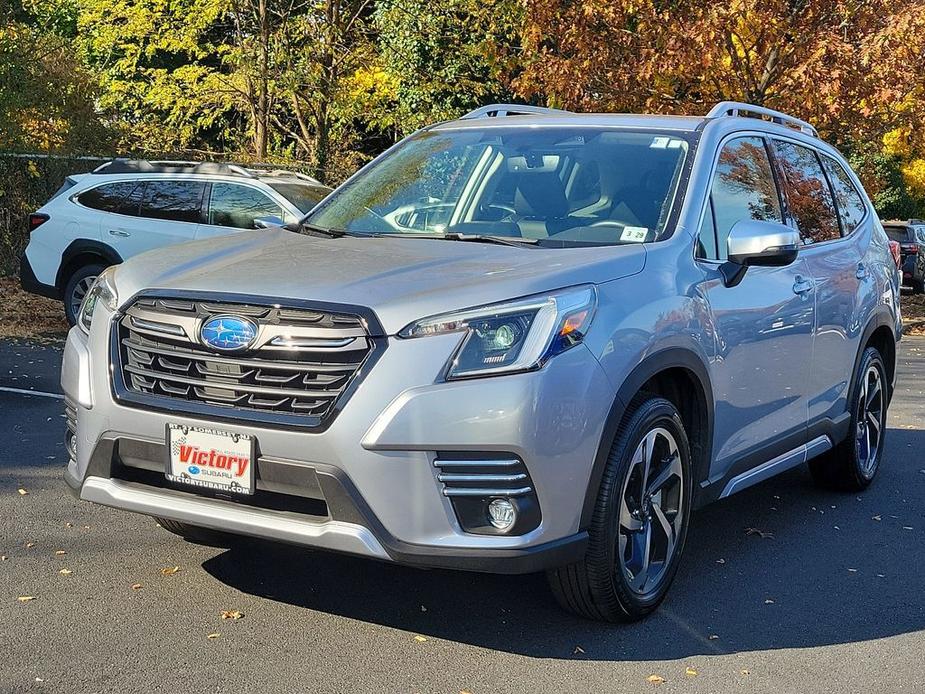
<point>441,59</point>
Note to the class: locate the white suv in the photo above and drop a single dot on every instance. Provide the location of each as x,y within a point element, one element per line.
<point>126,207</point>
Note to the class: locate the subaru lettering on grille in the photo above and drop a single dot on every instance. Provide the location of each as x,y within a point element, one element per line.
<point>228,333</point>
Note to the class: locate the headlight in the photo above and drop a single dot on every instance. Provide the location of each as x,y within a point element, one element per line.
<point>514,336</point>
<point>102,292</point>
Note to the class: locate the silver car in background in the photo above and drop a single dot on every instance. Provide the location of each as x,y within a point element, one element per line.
<point>524,340</point>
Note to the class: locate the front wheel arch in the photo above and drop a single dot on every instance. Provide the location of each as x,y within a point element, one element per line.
<point>673,373</point>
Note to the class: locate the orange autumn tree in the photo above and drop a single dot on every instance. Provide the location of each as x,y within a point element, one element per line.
<point>855,68</point>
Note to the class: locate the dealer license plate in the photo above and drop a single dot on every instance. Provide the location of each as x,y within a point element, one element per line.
<point>210,459</point>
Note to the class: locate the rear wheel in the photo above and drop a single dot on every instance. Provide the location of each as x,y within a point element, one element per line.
<point>918,286</point>
<point>77,287</point>
<point>854,462</point>
<point>640,520</point>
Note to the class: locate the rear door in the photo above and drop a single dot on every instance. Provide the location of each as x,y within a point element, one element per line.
<point>833,246</point>
<point>763,326</point>
<point>169,212</point>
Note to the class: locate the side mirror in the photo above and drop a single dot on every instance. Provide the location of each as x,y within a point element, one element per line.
<point>268,222</point>
<point>755,243</point>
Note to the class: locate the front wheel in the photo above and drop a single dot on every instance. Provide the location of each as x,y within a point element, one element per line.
<point>853,463</point>
<point>640,520</point>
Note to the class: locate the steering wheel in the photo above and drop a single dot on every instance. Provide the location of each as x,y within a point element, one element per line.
<point>511,212</point>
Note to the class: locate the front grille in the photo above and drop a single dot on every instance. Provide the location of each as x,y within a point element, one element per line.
<point>299,368</point>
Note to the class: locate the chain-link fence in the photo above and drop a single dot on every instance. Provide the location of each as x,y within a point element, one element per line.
<point>27,181</point>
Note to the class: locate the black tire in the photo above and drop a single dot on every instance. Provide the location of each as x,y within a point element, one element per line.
<point>76,287</point>
<point>600,586</point>
<point>846,467</point>
<point>918,286</point>
<point>194,533</point>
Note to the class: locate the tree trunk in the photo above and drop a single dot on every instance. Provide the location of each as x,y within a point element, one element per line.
<point>261,124</point>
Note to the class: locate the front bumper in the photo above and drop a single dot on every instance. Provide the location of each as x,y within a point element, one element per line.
<point>371,473</point>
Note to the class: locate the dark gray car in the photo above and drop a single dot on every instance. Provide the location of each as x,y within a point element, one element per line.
<point>524,340</point>
<point>910,235</point>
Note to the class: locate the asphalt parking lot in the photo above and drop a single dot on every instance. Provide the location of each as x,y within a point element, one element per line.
<point>827,598</point>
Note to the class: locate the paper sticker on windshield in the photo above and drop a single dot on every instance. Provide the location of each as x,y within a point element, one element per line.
<point>659,142</point>
<point>634,234</point>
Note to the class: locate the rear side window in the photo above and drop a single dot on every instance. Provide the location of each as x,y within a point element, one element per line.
<point>178,201</point>
<point>851,208</point>
<point>121,198</point>
<point>743,188</point>
<point>238,206</point>
<point>809,198</point>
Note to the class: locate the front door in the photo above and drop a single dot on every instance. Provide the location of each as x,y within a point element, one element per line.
<point>763,327</point>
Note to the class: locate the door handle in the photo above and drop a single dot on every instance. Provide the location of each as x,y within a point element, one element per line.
<point>118,232</point>
<point>862,273</point>
<point>802,285</point>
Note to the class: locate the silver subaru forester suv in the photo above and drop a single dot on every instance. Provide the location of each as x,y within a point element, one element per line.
<point>524,340</point>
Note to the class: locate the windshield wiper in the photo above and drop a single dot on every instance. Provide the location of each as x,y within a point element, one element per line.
<point>315,230</point>
<point>487,238</point>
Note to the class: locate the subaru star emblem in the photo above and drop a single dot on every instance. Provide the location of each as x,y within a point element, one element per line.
<point>228,333</point>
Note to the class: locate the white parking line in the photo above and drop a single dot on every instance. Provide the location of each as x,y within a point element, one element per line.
<point>23,391</point>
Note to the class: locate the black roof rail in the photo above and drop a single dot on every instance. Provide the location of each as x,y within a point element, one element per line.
<point>121,166</point>
<point>740,109</point>
<point>497,110</point>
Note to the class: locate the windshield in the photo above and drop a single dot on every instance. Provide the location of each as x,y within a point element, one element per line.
<point>562,186</point>
<point>303,196</point>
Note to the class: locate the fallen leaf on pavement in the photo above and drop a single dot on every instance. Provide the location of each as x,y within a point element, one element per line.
<point>578,649</point>
<point>854,571</point>
<point>65,572</point>
<point>769,602</point>
<point>760,533</point>
<point>232,614</point>
<point>136,586</point>
<point>655,679</point>
<point>713,637</point>
<point>30,545</point>
<point>876,518</point>
<point>22,492</point>
<point>744,672</point>
<point>907,527</point>
<point>420,639</point>
<point>691,672</point>
<point>170,570</point>
<point>213,635</point>
<point>3,557</point>
<point>720,561</point>
<point>26,598</point>
<point>60,552</point>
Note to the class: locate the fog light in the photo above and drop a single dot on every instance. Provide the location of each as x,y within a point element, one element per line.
<point>501,513</point>
<point>72,445</point>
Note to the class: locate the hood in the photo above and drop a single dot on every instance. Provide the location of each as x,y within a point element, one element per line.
<point>400,279</point>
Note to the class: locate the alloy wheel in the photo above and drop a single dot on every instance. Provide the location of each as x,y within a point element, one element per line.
<point>870,422</point>
<point>651,511</point>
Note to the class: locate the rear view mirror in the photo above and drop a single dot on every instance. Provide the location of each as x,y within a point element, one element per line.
<point>268,222</point>
<point>756,243</point>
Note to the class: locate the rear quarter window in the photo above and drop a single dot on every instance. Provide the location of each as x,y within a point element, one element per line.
<point>121,198</point>
<point>851,207</point>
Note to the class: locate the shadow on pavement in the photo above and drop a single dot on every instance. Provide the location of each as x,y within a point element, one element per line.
<point>794,590</point>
